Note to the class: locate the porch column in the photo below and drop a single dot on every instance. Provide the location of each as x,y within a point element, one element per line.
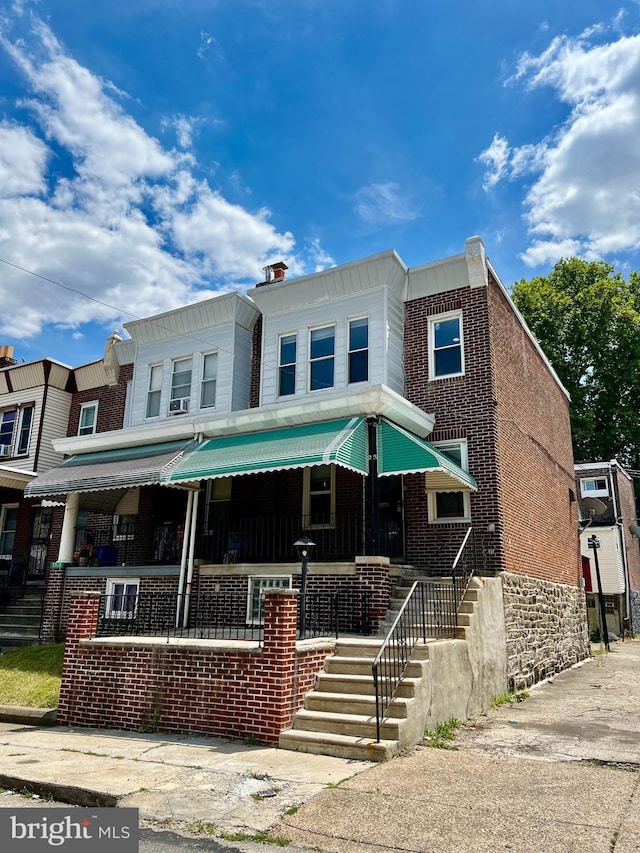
<point>69,525</point>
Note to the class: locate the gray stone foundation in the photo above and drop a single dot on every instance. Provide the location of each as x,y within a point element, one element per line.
<point>634,596</point>
<point>546,628</point>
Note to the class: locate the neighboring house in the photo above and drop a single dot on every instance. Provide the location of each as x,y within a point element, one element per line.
<point>35,398</point>
<point>379,410</point>
<point>608,509</point>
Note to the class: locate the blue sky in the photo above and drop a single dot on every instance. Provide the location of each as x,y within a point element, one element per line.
<point>157,151</point>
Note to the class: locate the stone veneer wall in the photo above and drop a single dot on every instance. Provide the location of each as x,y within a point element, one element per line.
<point>546,628</point>
<point>634,595</point>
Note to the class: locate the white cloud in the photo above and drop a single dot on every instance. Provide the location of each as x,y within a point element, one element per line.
<point>320,259</point>
<point>106,209</point>
<point>584,199</point>
<point>23,160</point>
<point>381,204</point>
<point>496,159</point>
<point>184,127</point>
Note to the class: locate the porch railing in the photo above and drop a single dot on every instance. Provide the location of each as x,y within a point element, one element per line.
<point>338,536</point>
<point>430,610</point>
<point>224,616</point>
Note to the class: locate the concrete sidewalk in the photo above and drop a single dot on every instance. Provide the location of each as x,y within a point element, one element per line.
<point>557,772</point>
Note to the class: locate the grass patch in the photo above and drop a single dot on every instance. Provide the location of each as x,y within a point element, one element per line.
<point>443,735</point>
<point>510,698</point>
<point>201,827</point>
<point>31,676</point>
<point>258,837</point>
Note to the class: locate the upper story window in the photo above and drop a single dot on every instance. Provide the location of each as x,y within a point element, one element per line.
<point>594,487</point>
<point>446,354</point>
<point>15,431</point>
<point>181,385</point>
<point>24,429</point>
<point>322,358</point>
<point>88,418</point>
<point>287,365</point>
<point>451,505</point>
<point>154,391</point>
<point>209,379</point>
<point>359,350</point>
<point>7,425</point>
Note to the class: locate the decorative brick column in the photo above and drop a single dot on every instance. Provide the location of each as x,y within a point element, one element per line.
<point>82,625</point>
<point>52,606</point>
<point>279,658</point>
<point>373,573</point>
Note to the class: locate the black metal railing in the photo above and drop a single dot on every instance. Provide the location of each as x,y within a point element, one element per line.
<point>201,616</point>
<point>338,536</point>
<point>430,610</point>
<point>332,614</point>
<point>225,616</point>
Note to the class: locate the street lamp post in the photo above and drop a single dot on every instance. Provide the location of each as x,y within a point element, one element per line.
<point>304,546</point>
<point>594,543</point>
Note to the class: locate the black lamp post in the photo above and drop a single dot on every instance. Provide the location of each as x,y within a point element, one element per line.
<point>594,543</point>
<point>304,546</point>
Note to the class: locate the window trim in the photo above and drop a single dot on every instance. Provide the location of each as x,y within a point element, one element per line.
<point>208,380</point>
<point>350,351</point>
<point>331,357</point>
<point>109,611</point>
<point>122,537</point>
<point>3,518</point>
<point>440,318</point>
<point>432,494</point>
<point>18,443</point>
<point>289,364</point>
<point>151,368</point>
<point>306,500</point>
<point>251,618</point>
<point>92,404</point>
<point>172,394</point>
<point>597,492</point>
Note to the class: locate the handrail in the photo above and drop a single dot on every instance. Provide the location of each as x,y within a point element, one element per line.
<point>429,605</point>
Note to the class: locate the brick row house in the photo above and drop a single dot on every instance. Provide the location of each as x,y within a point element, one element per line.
<point>378,410</point>
<point>608,509</point>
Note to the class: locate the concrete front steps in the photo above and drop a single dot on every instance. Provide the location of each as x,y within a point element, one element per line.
<point>20,621</point>
<point>339,715</point>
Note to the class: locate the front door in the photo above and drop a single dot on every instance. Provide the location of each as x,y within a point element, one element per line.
<point>40,533</point>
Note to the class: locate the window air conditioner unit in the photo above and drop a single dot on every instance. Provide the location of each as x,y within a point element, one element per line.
<point>179,406</point>
<point>5,450</point>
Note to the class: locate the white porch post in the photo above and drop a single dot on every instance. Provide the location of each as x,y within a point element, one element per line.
<point>192,546</point>
<point>185,551</point>
<point>69,525</point>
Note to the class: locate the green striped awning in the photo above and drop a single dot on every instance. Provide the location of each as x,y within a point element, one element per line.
<point>107,469</point>
<point>401,452</point>
<point>341,442</point>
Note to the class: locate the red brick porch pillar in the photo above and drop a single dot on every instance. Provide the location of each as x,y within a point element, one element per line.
<point>373,572</point>
<point>279,654</point>
<point>82,625</point>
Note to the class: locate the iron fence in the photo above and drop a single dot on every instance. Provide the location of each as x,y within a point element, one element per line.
<point>225,616</point>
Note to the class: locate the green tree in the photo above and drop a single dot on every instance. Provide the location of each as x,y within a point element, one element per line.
<point>586,317</point>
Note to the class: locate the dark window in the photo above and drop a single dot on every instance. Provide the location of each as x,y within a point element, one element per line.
<point>359,350</point>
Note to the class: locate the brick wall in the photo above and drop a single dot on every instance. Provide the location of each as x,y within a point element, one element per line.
<point>464,409</point>
<point>516,421</point>
<point>111,401</point>
<point>536,473</point>
<point>234,692</point>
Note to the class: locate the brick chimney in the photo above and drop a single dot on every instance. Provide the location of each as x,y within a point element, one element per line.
<point>273,272</point>
<point>6,356</point>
